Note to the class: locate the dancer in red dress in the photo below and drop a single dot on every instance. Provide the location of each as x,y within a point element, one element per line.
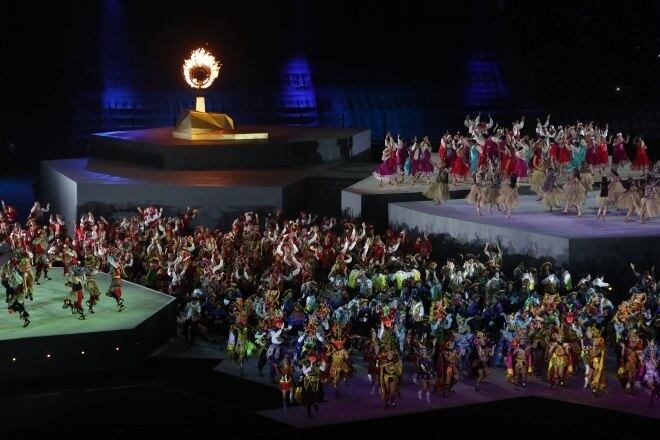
<point>641,162</point>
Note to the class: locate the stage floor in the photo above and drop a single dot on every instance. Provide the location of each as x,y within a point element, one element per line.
<point>356,403</point>
<point>531,217</point>
<point>47,318</point>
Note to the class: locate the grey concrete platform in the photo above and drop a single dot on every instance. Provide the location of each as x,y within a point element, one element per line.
<point>582,242</point>
<point>115,189</point>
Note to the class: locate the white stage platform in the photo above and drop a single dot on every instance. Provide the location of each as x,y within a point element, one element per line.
<point>582,242</point>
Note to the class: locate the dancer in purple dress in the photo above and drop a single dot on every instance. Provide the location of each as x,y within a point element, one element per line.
<point>386,171</point>
<point>619,156</point>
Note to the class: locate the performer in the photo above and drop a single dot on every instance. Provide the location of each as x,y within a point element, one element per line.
<point>390,373</point>
<point>649,205</point>
<point>538,172</point>
<point>37,212</point>
<point>508,196</point>
<point>551,194</point>
<point>12,279</point>
<point>40,247</point>
<point>651,379</point>
<point>641,162</point>
<point>574,193</point>
<point>425,373</point>
<point>447,369</point>
<point>340,364</point>
<point>285,383</point>
<point>629,200</point>
<point>401,155</point>
<point>76,296</point>
<point>619,156</point>
<point>597,363</point>
<point>477,194</point>
<point>517,363</point>
<point>559,367</point>
<point>312,387</point>
<point>386,171</point>
<point>425,165</point>
<point>615,188</point>
<point>115,289</point>
<point>481,359</point>
<point>92,289</point>
<point>492,192</point>
<point>459,169</point>
<point>603,199</point>
<point>438,191</point>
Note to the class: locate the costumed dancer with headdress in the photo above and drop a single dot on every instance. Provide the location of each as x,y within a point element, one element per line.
<point>401,155</point>
<point>574,193</point>
<point>12,280</point>
<point>425,373</point>
<point>92,289</point>
<point>425,165</point>
<point>477,194</point>
<point>312,387</point>
<point>596,356</point>
<point>651,378</point>
<point>76,296</point>
<point>341,367</point>
<point>438,190</point>
<point>481,355</point>
<point>460,169</point>
<point>629,200</point>
<point>517,363</point>
<point>115,289</point>
<point>508,196</point>
<point>649,205</point>
<point>447,368</point>
<point>285,382</point>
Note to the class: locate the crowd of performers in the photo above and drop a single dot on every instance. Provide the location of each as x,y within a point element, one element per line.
<point>125,249</point>
<point>309,297</point>
<point>496,160</point>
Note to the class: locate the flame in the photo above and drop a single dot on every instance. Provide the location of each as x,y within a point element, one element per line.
<point>201,69</point>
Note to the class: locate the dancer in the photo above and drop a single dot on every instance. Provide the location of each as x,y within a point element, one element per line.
<point>492,192</point>
<point>12,279</point>
<point>477,194</point>
<point>401,156</point>
<point>391,369</point>
<point>92,289</point>
<point>619,156</point>
<point>641,162</point>
<point>649,205</point>
<point>597,363</point>
<point>481,359</point>
<point>603,199</point>
<point>386,171</point>
<point>425,373</point>
<point>76,296</point>
<point>574,193</point>
<point>312,387</point>
<point>438,190</point>
<point>508,196</point>
<point>629,200</point>
<point>285,382</point>
<point>551,194</point>
<point>616,188</point>
<point>115,289</point>
<point>425,165</point>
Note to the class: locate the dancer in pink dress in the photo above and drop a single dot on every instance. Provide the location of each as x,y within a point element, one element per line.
<point>401,155</point>
<point>425,167</point>
<point>460,169</point>
<point>386,171</point>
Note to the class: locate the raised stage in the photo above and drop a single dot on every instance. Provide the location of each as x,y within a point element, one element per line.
<point>104,340</point>
<point>286,146</point>
<point>583,242</point>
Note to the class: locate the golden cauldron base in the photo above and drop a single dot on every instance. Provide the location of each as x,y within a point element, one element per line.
<point>201,126</point>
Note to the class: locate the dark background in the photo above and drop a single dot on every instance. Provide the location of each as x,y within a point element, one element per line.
<point>72,68</point>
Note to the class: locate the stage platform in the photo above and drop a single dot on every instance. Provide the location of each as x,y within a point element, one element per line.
<point>367,198</point>
<point>104,340</point>
<point>582,242</point>
<point>286,146</point>
<point>115,189</point>
<point>356,403</point>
